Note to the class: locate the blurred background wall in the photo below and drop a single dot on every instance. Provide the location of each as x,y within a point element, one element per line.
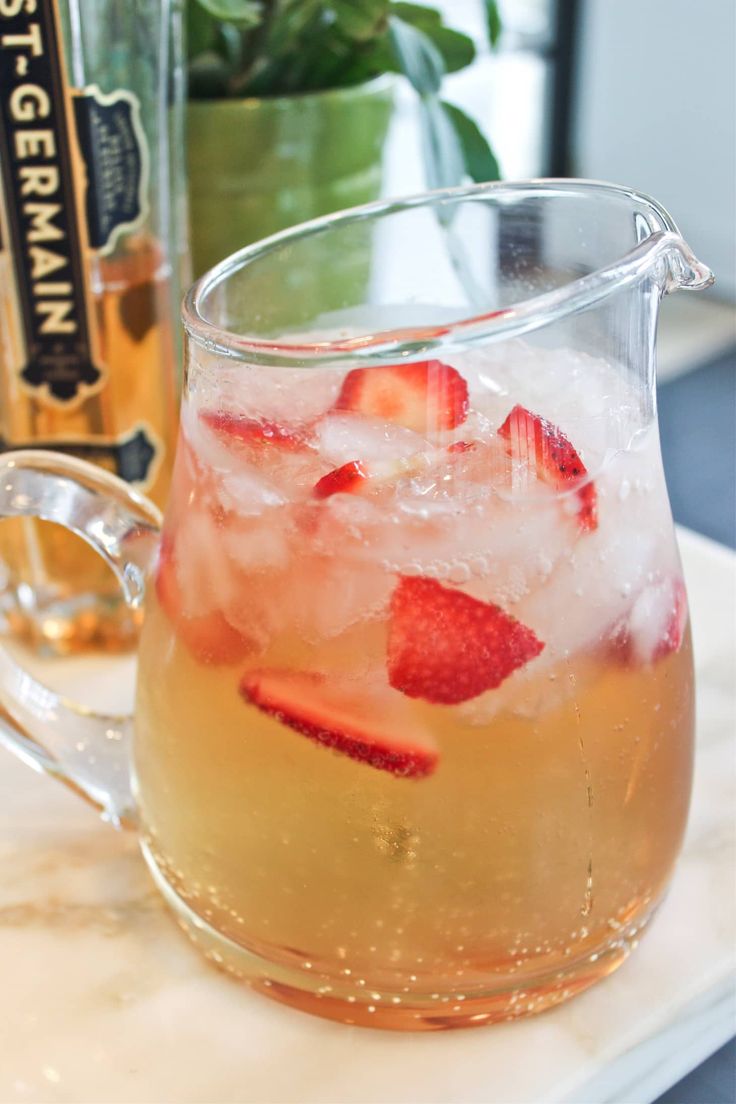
<point>655,107</point>
<point>639,92</point>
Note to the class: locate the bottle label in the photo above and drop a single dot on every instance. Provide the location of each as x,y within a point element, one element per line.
<point>133,457</point>
<point>113,148</point>
<point>74,172</point>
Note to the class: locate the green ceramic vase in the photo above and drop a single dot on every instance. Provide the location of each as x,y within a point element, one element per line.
<point>259,165</point>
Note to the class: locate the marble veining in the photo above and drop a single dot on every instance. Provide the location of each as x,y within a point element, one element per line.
<point>102,1000</point>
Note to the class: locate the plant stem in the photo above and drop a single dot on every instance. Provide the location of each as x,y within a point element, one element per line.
<point>253,41</point>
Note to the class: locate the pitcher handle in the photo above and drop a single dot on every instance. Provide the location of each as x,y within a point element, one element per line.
<point>88,751</point>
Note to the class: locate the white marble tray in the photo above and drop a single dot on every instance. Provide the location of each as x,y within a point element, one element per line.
<point>102,1000</point>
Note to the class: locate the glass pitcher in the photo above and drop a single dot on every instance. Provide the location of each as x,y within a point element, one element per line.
<point>414,720</point>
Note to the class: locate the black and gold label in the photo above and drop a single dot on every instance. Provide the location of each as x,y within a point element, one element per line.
<point>73,176</point>
<point>133,457</point>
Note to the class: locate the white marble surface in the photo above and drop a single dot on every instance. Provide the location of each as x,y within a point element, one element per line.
<point>102,1000</point>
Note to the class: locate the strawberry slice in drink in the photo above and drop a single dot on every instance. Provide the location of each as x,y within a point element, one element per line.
<point>355,477</point>
<point>237,430</point>
<point>548,455</point>
<point>347,479</point>
<point>446,647</point>
<point>426,396</point>
<point>369,729</point>
<point>209,637</point>
<point>655,625</point>
<point>280,456</point>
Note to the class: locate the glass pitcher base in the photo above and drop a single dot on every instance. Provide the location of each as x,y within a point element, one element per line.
<point>340,1001</point>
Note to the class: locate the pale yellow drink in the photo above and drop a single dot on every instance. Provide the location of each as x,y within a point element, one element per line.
<point>517,862</point>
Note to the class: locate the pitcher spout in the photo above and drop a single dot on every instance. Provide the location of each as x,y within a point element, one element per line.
<point>684,270</point>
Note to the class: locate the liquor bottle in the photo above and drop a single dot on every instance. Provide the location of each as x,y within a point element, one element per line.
<point>91,247</point>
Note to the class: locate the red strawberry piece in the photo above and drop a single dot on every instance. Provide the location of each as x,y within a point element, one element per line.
<point>356,477</point>
<point>655,625</point>
<point>447,647</point>
<point>551,457</point>
<point>343,480</point>
<point>425,396</point>
<point>366,730</point>
<point>234,429</point>
<point>674,628</point>
<point>461,446</point>
<point>588,509</point>
<point>209,637</point>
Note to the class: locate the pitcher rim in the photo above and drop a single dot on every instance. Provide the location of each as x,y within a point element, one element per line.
<point>415,342</point>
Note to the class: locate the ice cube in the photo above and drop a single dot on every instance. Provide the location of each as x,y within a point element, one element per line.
<point>205,574</point>
<point>259,545</point>
<point>343,437</point>
<point>292,397</point>
<point>245,492</point>
<point>657,618</point>
<point>591,399</point>
<point>319,597</point>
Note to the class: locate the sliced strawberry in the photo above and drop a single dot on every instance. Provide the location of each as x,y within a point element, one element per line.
<point>677,614</point>
<point>234,429</point>
<point>209,637</point>
<point>425,396</point>
<point>343,480</point>
<point>371,732</point>
<point>357,477</point>
<point>655,624</point>
<point>447,647</point>
<point>588,508</point>
<point>549,455</point>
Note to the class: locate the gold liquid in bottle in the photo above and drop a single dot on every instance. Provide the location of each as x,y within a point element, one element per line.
<point>89,287</point>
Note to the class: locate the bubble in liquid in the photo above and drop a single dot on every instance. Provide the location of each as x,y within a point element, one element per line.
<point>479,566</point>
<point>459,573</point>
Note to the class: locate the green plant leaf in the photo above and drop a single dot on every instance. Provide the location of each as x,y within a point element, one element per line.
<point>243,13</point>
<point>417,56</point>
<point>201,29</point>
<point>493,21</point>
<point>443,156</point>
<point>479,159</point>
<point>313,44</point>
<point>230,45</point>
<point>457,49</point>
<point>283,47</point>
<point>417,14</point>
<point>357,19</point>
